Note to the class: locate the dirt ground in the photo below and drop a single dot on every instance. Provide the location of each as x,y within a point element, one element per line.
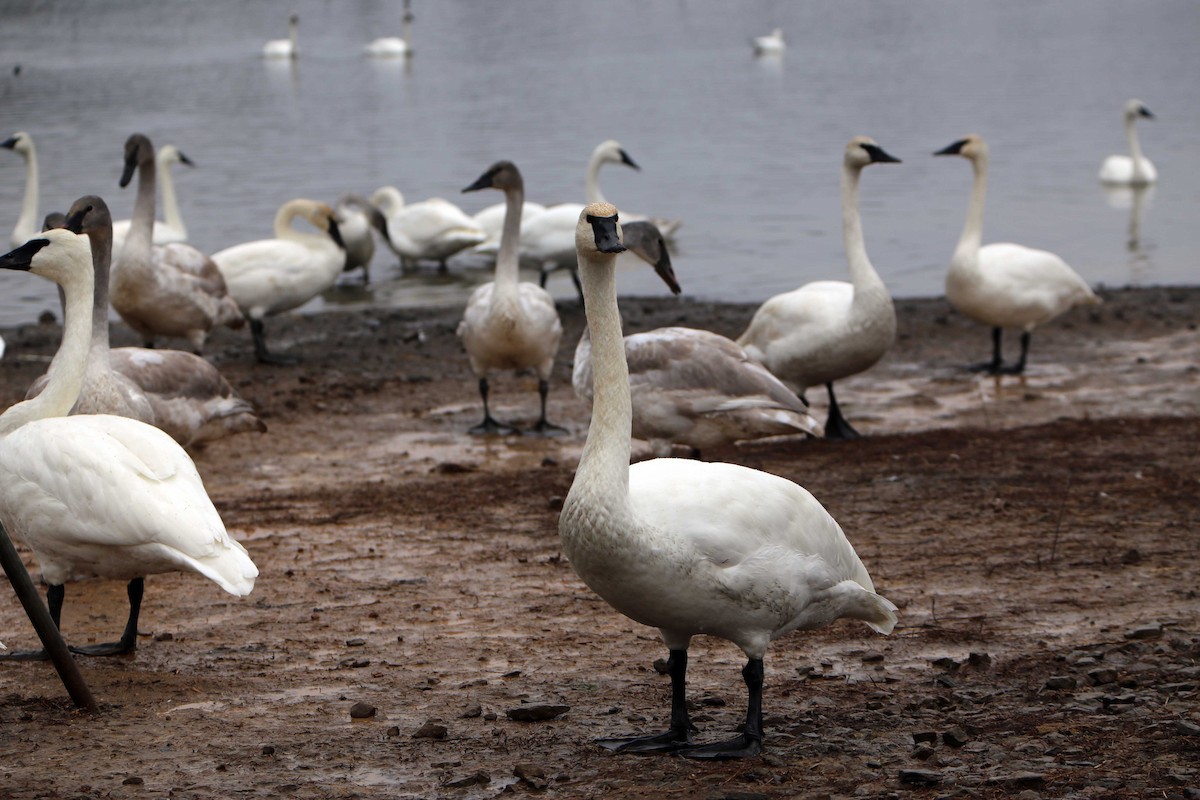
<point>1041,537</point>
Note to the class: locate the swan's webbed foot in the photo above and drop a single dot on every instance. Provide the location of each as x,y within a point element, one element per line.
<point>839,428</point>
<point>671,741</point>
<point>25,655</point>
<point>490,427</point>
<point>106,649</point>
<point>276,359</point>
<point>261,353</point>
<point>743,746</point>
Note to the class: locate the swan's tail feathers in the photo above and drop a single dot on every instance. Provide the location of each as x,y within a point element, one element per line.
<point>874,609</point>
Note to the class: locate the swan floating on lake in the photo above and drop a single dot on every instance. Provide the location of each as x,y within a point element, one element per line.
<point>284,48</point>
<point>1134,169</point>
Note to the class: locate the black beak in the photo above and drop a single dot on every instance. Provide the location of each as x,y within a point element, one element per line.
<point>604,231</point>
<point>667,272</point>
<point>378,222</point>
<point>625,159</point>
<point>336,234</point>
<point>1145,112</point>
<point>952,149</point>
<point>74,220</point>
<point>185,160</point>
<point>9,143</point>
<point>484,181</point>
<point>22,257</point>
<point>879,155</point>
<point>127,174</point>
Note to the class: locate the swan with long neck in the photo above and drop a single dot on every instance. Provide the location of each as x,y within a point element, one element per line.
<point>98,494</point>
<point>284,48</point>
<point>828,330</point>
<point>394,46</point>
<point>509,324</point>
<point>179,392</point>
<point>270,276</point>
<point>1005,285</point>
<point>1134,169</point>
<point>170,228</point>
<point>27,223</point>
<point>690,547</point>
<point>171,290</point>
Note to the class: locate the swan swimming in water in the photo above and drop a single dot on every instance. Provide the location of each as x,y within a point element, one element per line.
<point>828,330</point>
<point>691,547</point>
<point>284,48</point>
<point>1134,169</point>
<point>97,494</point>
<point>1005,285</point>
<point>394,46</point>
<point>772,43</point>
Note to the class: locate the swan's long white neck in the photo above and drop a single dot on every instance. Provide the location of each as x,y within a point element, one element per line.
<point>141,225</point>
<point>507,259</point>
<point>972,234</point>
<point>592,180</point>
<point>862,273</point>
<point>292,32</point>
<point>171,213</point>
<point>604,464</point>
<point>1135,148</point>
<point>27,223</point>
<point>65,375</point>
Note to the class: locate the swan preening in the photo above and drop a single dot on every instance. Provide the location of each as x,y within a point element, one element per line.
<point>1005,285</point>
<point>509,324</point>
<point>269,276</point>
<point>1134,169</point>
<point>828,330</point>
<point>691,547</point>
<point>98,494</point>
<point>356,218</point>
<point>171,290</point>
<point>431,230</point>
<point>178,392</point>
<point>170,228</point>
<point>284,48</point>
<point>27,223</point>
<point>771,43</point>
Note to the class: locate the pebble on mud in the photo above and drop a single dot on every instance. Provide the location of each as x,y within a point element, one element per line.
<point>132,780</point>
<point>532,774</point>
<point>431,730</point>
<point>361,710</point>
<point>536,712</point>
<point>1061,682</point>
<point>955,737</point>
<point>1145,632</point>
<point>479,778</point>
<point>920,777</point>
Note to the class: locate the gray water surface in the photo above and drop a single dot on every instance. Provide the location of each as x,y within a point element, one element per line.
<point>745,150</point>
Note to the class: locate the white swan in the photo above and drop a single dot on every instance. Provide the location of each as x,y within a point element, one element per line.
<point>431,230</point>
<point>771,43</point>
<point>2,347</point>
<point>1005,285</point>
<point>269,276</point>
<point>394,46</point>
<point>828,330</point>
<point>691,547</point>
<point>490,220</point>
<point>508,324</point>
<point>97,494</point>
<point>170,228</point>
<point>284,48</point>
<point>27,223</point>
<point>178,392</point>
<point>169,290</point>
<point>356,217</point>
<point>1134,169</point>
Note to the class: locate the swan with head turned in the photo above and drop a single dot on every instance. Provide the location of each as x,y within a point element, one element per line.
<point>170,228</point>
<point>284,48</point>
<point>98,494</point>
<point>178,392</point>
<point>509,324</point>
<point>1005,285</point>
<point>170,290</point>
<point>828,330</point>
<point>21,143</point>
<point>1134,169</point>
<point>270,276</point>
<point>356,218</point>
<point>429,230</point>
<point>691,547</point>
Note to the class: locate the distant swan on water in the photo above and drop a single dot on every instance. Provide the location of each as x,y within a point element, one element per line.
<point>1134,169</point>
<point>284,48</point>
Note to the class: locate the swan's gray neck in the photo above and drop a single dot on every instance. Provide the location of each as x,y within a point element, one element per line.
<point>65,375</point>
<point>141,225</point>
<point>28,221</point>
<point>972,235</point>
<point>101,243</point>
<point>507,259</point>
<point>862,273</point>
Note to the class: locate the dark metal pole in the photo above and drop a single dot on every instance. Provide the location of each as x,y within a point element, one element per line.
<point>47,631</point>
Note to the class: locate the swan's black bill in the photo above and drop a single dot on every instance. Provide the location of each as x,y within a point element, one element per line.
<point>185,160</point>
<point>10,143</point>
<point>74,221</point>
<point>1145,112</point>
<point>127,173</point>
<point>953,149</point>
<point>879,155</point>
<point>336,234</point>
<point>484,181</point>
<point>625,159</point>
<point>22,257</point>
<point>604,230</point>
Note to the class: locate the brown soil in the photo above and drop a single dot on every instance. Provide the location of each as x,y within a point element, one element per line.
<point>1035,533</point>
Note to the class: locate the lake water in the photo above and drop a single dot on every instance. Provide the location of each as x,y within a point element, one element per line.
<point>745,150</point>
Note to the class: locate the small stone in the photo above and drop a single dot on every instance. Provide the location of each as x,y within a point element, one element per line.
<point>393,732</point>
<point>536,712</point>
<point>872,657</point>
<point>1145,632</point>
<point>923,752</point>
<point>163,637</point>
<point>268,750</point>
<point>472,712</point>
<point>920,777</point>
<point>355,642</point>
<point>431,730</point>
<point>1102,676</point>
<point>132,780</point>
<point>532,774</point>
<point>955,737</point>
<point>660,666</point>
<point>979,660</point>
<point>712,701</point>
<point>925,737</point>
<point>1187,728</point>
<point>361,710</point>
<point>555,503</point>
<point>479,778</point>
<point>1020,780</point>
<point>1061,682</point>
<point>946,663</point>
<point>1131,556</point>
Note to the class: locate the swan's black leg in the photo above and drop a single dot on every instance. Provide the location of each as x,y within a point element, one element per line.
<point>994,366</point>
<point>749,743</point>
<point>836,427</point>
<point>677,736</point>
<point>128,641</point>
<point>1019,367</point>
<point>260,346</point>
<point>54,604</point>
<point>489,426</point>
<point>544,428</point>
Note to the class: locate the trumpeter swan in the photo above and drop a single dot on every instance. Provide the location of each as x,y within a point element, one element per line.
<point>356,217</point>
<point>284,48</point>
<point>269,276</point>
<point>1005,285</point>
<point>394,46</point>
<point>431,230</point>
<point>508,324</point>
<point>1134,169</point>
<point>490,220</point>
<point>27,223</point>
<point>771,43</point>
<point>828,330</point>
<point>97,494</point>
<point>691,547</point>
<point>170,228</point>
<point>181,393</point>
<point>169,290</point>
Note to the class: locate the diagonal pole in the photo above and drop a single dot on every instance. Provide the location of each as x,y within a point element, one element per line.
<point>47,631</point>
